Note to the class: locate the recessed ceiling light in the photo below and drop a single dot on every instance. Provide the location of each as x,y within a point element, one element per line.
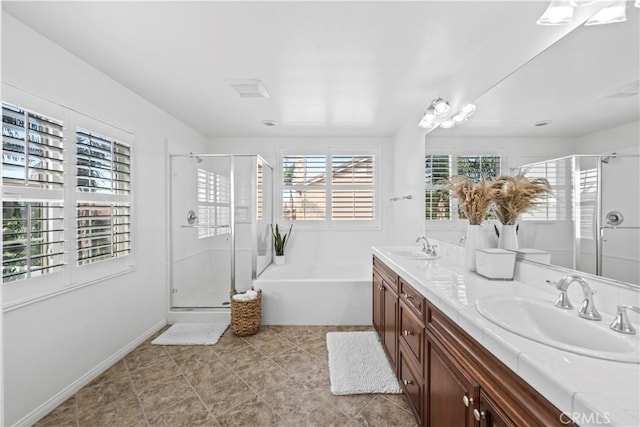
<point>270,123</point>
<point>542,123</point>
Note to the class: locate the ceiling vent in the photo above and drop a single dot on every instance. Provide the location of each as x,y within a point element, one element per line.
<point>249,88</point>
<point>626,91</point>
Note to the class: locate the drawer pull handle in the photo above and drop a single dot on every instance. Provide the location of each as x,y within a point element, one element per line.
<point>407,333</point>
<point>407,382</point>
<point>407,296</point>
<point>478,415</point>
<point>467,400</point>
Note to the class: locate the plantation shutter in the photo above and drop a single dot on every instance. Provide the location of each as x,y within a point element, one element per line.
<point>104,209</point>
<point>304,187</point>
<point>548,209</point>
<point>32,149</point>
<point>103,164</point>
<point>103,231</point>
<point>32,239</point>
<point>353,187</point>
<point>437,198</point>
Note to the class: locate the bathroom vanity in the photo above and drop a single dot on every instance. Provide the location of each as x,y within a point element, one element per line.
<point>459,368</point>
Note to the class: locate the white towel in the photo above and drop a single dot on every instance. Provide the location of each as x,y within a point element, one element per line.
<point>247,296</point>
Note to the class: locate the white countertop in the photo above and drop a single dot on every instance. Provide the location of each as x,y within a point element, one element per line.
<point>592,391</point>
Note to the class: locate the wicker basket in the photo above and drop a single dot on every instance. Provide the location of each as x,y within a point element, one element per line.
<point>246,315</point>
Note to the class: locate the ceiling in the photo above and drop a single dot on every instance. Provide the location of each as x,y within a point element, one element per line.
<point>331,68</point>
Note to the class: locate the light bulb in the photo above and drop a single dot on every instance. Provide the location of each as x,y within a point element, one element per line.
<point>469,109</point>
<point>559,12</point>
<point>459,118</point>
<point>614,13</point>
<point>441,107</point>
<point>447,124</point>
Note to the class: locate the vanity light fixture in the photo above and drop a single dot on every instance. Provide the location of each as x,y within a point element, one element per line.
<point>614,13</point>
<point>437,115</point>
<point>558,12</point>
<point>440,107</point>
<point>637,3</point>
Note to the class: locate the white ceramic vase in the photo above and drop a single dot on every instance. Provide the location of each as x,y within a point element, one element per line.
<point>278,259</point>
<point>508,237</point>
<point>476,239</point>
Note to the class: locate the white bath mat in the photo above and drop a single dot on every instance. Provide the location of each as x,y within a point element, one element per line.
<point>192,334</point>
<point>358,364</point>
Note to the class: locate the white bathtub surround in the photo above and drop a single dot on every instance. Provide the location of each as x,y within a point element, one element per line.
<point>580,386</point>
<point>316,294</point>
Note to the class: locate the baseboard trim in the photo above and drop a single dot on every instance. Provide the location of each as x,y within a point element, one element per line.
<point>48,406</point>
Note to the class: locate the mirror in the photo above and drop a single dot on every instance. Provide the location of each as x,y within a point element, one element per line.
<point>579,96</point>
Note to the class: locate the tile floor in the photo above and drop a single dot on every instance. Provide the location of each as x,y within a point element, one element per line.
<point>278,377</point>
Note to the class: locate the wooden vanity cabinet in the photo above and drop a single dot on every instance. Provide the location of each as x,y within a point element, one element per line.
<point>451,392</point>
<point>448,377</point>
<point>385,308</point>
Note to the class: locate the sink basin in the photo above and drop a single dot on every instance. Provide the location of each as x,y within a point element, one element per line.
<point>412,254</point>
<point>541,321</point>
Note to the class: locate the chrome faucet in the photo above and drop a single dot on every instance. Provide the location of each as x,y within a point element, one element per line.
<point>621,322</point>
<point>587,308</point>
<point>462,241</point>
<point>427,247</point>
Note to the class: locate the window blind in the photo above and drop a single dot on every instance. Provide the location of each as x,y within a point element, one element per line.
<point>103,231</point>
<point>32,149</point>
<point>104,164</point>
<point>32,239</point>
<point>353,187</point>
<point>304,187</point>
<point>214,203</point>
<point>437,169</point>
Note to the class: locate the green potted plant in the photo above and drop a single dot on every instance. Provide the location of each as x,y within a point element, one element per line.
<point>280,243</point>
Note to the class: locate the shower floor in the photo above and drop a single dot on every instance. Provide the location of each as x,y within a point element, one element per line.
<point>213,297</point>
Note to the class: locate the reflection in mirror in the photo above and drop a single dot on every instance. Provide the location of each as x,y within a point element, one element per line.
<point>571,223</point>
<point>578,97</point>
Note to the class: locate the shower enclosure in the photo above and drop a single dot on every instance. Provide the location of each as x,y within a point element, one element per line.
<point>220,216</point>
<point>591,220</point>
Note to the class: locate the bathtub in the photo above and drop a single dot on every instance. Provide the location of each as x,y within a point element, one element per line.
<point>316,294</point>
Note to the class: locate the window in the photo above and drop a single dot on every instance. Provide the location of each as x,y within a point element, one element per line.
<point>330,187</point>
<point>549,207</point>
<point>103,164</point>
<point>32,239</point>
<point>437,198</point>
<point>103,231</point>
<point>104,186</point>
<point>439,204</point>
<point>214,204</point>
<point>33,236</point>
<point>32,150</point>
<point>44,213</point>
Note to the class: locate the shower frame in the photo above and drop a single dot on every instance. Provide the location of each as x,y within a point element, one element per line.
<point>231,234</point>
<point>598,223</point>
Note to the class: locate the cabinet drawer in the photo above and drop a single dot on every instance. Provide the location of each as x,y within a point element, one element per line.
<point>386,273</point>
<point>411,331</point>
<point>411,381</point>
<point>413,298</point>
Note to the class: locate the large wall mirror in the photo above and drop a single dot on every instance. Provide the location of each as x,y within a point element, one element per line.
<point>575,104</point>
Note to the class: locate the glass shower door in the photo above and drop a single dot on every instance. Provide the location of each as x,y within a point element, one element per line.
<point>201,231</point>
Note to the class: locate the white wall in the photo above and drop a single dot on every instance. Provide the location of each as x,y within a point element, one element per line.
<point>54,346</point>
<point>309,244</point>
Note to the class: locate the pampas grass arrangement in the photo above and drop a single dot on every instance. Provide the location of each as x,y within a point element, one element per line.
<point>516,195</point>
<point>475,198</point>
